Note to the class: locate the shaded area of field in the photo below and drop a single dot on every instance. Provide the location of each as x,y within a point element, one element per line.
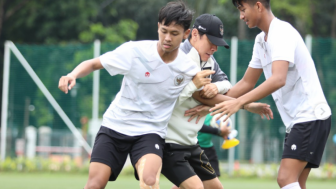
<point>70,181</point>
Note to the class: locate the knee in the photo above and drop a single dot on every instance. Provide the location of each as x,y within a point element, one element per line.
<point>149,180</point>
<point>282,180</point>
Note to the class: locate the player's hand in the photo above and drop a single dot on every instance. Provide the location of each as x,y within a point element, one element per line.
<point>225,131</point>
<point>200,79</point>
<point>209,91</point>
<point>260,108</point>
<point>228,107</point>
<point>66,83</point>
<point>197,112</point>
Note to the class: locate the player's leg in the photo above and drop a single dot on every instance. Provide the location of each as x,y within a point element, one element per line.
<point>303,177</point>
<point>303,150</point>
<point>149,168</point>
<point>99,175</point>
<point>290,171</point>
<point>213,159</point>
<point>200,163</point>
<point>213,183</point>
<point>177,169</point>
<point>108,156</point>
<point>146,157</point>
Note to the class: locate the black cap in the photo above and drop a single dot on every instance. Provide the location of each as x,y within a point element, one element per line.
<point>213,27</point>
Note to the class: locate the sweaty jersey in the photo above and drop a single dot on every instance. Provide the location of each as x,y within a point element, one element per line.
<point>149,88</point>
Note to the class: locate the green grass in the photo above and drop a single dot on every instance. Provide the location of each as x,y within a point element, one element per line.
<point>70,181</point>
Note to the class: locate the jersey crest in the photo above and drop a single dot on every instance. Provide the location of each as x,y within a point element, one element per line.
<point>178,80</point>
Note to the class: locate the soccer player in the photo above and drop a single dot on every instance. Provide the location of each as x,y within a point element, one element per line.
<point>155,73</point>
<point>280,52</point>
<point>184,162</point>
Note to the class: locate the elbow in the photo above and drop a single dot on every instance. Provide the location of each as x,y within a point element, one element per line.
<point>280,82</point>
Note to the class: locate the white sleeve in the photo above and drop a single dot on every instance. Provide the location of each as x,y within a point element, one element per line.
<point>187,92</point>
<point>223,86</point>
<point>283,43</point>
<point>118,61</point>
<point>255,61</point>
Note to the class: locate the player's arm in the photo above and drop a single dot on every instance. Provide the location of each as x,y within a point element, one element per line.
<point>83,69</point>
<point>220,83</point>
<point>246,84</point>
<point>199,80</point>
<point>273,83</point>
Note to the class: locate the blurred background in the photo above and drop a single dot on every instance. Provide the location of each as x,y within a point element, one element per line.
<point>55,36</point>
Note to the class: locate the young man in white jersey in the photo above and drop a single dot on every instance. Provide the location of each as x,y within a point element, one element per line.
<point>155,73</point>
<point>280,52</point>
<point>184,162</point>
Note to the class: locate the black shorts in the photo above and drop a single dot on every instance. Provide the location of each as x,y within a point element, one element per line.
<point>112,148</point>
<point>306,141</point>
<point>182,162</point>
<point>213,159</point>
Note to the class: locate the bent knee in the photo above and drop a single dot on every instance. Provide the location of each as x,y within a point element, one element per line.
<point>283,180</point>
<point>149,180</point>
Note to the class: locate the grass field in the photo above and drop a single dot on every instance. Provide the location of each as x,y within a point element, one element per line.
<point>71,181</point>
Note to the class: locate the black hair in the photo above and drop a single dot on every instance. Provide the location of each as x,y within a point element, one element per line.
<point>266,3</point>
<point>199,32</point>
<point>177,12</point>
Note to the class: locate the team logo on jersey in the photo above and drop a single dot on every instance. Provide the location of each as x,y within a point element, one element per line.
<point>147,74</point>
<point>221,30</point>
<point>178,80</point>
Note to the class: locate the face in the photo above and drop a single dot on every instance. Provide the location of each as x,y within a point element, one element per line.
<point>203,45</point>
<point>170,37</point>
<point>249,14</point>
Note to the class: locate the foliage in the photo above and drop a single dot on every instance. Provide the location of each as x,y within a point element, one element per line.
<point>125,30</point>
<point>38,164</point>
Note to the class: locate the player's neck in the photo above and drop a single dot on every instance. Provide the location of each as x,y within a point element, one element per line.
<point>266,22</point>
<point>167,57</point>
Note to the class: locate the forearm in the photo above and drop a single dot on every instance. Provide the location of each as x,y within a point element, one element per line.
<point>210,130</point>
<point>86,67</point>
<point>240,89</point>
<point>212,101</point>
<point>266,88</point>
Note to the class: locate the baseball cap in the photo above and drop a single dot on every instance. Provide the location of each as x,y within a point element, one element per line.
<point>213,27</point>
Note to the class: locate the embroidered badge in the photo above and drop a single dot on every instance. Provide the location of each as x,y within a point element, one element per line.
<point>178,80</point>
<point>221,30</point>
<point>147,74</point>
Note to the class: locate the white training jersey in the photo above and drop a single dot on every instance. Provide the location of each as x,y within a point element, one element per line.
<point>149,88</point>
<point>302,93</point>
<point>180,131</point>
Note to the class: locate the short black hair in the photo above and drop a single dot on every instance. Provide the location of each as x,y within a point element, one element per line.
<point>266,3</point>
<point>177,12</point>
<point>199,32</point>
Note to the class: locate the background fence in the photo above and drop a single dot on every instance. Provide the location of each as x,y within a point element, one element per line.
<point>30,111</point>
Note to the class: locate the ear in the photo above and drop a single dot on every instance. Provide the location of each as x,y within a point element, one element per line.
<point>194,34</point>
<point>260,6</point>
<point>186,34</point>
<point>158,26</point>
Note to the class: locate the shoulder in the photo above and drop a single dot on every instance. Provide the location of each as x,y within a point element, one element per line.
<point>280,28</point>
<point>185,46</point>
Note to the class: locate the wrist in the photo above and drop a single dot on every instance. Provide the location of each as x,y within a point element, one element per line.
<point>71,75</point>
<point>219,132</point>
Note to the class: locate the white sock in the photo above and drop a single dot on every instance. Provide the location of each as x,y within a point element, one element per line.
<point>294,185</point>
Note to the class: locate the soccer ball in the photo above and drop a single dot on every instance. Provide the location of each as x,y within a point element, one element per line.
<point>219,123</point>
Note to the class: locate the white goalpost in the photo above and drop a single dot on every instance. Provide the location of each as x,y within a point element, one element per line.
<point>10,47</point>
